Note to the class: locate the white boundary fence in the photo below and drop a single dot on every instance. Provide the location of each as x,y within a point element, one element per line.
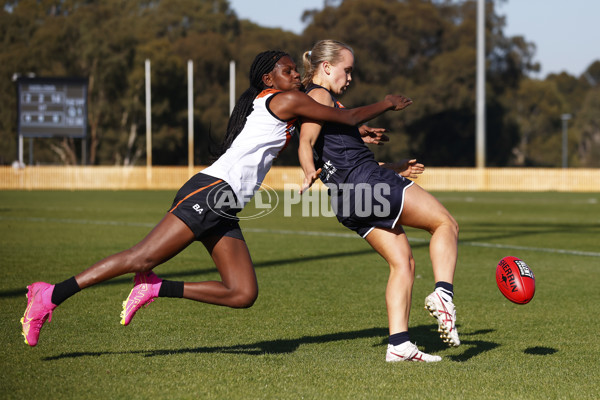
<point>171,178</point>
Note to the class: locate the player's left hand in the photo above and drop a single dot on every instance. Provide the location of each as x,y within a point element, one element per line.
<point>373,135</point>
<point>410,168</point>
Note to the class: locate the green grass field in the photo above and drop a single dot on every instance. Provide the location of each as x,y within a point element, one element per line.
<point>319,328</point>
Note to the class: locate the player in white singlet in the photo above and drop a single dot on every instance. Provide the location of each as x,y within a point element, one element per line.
<point>258,130</point>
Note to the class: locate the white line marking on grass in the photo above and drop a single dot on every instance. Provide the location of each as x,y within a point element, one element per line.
<point>525,248</point>
<point>303,233</point>
<point>419,240</point>
<point>78,221</point>
<point>311,233</point>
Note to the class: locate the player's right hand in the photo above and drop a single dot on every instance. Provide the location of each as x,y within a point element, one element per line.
<point>309,179</point>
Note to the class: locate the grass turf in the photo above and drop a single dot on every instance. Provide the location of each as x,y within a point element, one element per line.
<point>319,327</point>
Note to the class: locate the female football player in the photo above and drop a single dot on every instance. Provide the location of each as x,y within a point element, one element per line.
<point>355,180</point>
<point>258,129</point>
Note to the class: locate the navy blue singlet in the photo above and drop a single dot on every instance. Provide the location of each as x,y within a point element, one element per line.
<point>364,195</point>
<point>339,148</point>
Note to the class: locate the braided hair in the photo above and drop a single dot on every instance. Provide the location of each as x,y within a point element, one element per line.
<point>262,64</point>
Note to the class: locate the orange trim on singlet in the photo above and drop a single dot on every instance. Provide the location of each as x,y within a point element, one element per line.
<point>194,192</point>
<point>288,135</point>
<point>267,92</point>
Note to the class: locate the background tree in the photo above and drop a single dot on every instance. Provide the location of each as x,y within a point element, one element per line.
<point>425,49</point>
<point>587,130</point>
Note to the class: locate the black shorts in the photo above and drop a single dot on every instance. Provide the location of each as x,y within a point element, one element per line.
<point>208,206</point>
<point>372,198</point>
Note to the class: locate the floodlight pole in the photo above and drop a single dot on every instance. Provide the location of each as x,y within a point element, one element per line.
<point>20,151</point>
<point>231,86</point>
<point>190,117</point>
<point>148,125</point>
<point>565,118</point>
<point>480,108</point>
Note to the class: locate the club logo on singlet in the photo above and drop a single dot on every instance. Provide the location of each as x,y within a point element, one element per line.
<point>328,170</point>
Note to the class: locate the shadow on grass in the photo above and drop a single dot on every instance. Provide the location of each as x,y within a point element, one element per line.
<point>491,232</point>
<point>278,346</point>
<point>426,334</point>
<point>427,338</point>
<point>540,351</point>
<point>203,271</point>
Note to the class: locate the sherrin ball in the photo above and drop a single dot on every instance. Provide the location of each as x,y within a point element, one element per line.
<point>515,280</point>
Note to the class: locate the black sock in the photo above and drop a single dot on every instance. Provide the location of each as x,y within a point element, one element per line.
<point>399,338</point>
<point>447,289</point>
<point>171,289</point>
<point>64,290</point>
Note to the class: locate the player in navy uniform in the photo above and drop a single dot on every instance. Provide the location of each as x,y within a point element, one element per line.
<point>373,200</point>
<point>258,129</point>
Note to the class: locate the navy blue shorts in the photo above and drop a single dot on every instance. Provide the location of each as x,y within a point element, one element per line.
<point>370,198</point>
<point>207,205</point>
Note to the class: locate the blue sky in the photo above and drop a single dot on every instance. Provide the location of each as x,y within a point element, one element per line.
<point>566,33</point>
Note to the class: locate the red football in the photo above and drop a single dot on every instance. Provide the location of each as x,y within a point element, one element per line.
<point>515,280</point>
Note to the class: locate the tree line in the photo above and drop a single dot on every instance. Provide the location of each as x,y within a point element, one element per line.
<point>425,49</point>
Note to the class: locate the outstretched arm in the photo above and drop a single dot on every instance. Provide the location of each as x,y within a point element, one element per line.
<point>293,104</point>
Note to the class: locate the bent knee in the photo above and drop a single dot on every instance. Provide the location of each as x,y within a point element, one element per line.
<point>454,225</point>
<point>143,264</point>
<point>448,223</point>
<point>137,261</point>
<point>402,265</point>
<point>244,299</point>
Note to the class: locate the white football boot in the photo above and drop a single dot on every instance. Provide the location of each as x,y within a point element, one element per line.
<point>408,352</point>
<point>445,313</point>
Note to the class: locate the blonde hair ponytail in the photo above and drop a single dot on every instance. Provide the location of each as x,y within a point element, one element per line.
<point>323,50</point>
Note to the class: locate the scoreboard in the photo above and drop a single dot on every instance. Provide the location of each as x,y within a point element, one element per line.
<point>49,107</point>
